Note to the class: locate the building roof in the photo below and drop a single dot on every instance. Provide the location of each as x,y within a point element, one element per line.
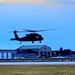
<point>6,50</point>
<point>30,47</point>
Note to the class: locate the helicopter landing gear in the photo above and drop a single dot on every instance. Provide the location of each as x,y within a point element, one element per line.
<point>40,41</point>
<point>20,43</point>
<point>32,41</point>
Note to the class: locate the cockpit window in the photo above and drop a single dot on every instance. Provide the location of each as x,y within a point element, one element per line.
<point>37,36</point>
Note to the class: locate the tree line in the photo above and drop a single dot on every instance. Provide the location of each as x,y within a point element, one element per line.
<point>63,52</point>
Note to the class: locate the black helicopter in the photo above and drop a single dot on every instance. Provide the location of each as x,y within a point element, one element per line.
<point>32,36</point>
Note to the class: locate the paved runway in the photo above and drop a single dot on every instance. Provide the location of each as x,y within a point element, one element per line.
<point>37,63</point>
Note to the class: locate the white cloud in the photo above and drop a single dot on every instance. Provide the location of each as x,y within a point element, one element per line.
<point>25,1</point>
<point>52,3</point>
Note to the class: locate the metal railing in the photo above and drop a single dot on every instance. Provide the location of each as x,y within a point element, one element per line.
<point>39,60</point>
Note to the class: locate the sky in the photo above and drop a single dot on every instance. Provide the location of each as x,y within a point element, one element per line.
<point>38,15</point>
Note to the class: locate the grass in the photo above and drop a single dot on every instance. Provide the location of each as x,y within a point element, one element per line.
<point>38,70</point>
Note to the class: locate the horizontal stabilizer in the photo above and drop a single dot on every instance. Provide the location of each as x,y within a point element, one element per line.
<point>13,39</point>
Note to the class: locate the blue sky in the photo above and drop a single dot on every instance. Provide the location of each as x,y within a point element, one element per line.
<point>38,14</point>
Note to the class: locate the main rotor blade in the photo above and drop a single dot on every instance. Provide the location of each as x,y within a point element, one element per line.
<point>27,30</point>
<point>47,29</point>
<point>16,31</point>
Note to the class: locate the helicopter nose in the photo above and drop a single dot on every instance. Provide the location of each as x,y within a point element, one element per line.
<point>42,38</point>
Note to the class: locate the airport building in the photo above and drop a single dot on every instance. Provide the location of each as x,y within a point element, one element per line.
<point>7,54</point>
<point>27,51</point>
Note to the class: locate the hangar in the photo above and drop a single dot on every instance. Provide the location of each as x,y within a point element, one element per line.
<point>34,51</point>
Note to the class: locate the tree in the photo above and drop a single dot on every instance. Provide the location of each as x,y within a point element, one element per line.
<point>61,49</point>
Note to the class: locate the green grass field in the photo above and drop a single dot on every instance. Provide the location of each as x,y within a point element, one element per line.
<point>38,70</point>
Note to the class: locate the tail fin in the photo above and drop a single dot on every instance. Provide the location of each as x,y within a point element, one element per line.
<point>16,36</point>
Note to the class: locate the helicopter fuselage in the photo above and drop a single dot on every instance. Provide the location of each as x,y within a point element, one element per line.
<point>29,37</point>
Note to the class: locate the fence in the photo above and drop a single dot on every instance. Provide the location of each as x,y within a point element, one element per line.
<point>39,60</point>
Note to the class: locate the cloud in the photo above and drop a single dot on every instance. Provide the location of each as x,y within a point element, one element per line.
<point>52,3</point>
<point>68,3</point>
<point>39,2</point>
<point>25,1</point>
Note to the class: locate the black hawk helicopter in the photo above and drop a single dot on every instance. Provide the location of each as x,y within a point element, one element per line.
<point>32,36</point>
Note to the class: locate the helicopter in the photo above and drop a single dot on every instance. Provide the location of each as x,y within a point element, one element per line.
<point>32,36</point>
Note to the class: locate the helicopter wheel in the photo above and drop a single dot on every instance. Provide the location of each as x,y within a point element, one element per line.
<point>40,41</point>
<point>20,43</point>
<point>32,41</point>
